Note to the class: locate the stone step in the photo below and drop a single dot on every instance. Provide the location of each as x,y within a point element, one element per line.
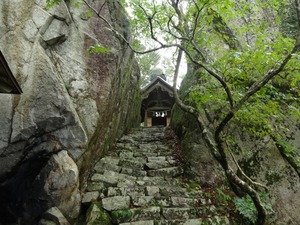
<point>112,178</point>
<point>140,183</point>
<point>136,214</point>
<point>179,222</point>
<point>133,172</point>
<point>157,181</point>
<point>166,172</point>
<point>116,203</point>
<point>169,191</point>
<point>95,186</point>
<point>154,165</point>
<point>181,213</point>
<point>89,197</point>
<point>144,222</point>
<point>133,163</point>
<point>126,155</point>
<point>141,201</point>
<point>100,167</point>
<point>126,191</point>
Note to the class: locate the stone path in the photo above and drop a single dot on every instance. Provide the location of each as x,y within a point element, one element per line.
<point>139,183</point>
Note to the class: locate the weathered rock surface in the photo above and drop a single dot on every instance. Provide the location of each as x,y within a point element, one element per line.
<point>73,105</point>
<point>132,197</point>
<point>97,215</point>
<point>53,216</point>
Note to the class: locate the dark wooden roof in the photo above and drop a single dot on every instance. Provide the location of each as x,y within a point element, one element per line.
<point>158,94</point>
<point>157,82</point>
<point>8,83</point>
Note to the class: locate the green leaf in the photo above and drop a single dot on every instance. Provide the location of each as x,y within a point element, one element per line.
<point>51,3</point>
<point>98,48</point>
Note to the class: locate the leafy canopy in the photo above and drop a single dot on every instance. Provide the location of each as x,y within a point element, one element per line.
<point>241,41</point>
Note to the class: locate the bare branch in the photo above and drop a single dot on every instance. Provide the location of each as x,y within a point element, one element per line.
<point>245,175</point>
<point>186,108</point>
<point>199,10</point>
<point>101,7</point>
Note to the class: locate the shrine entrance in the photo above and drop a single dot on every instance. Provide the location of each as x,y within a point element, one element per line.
<point>159,121</point>
<point>157,103</point>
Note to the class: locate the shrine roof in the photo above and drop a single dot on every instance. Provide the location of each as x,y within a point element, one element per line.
<point>157,82</point>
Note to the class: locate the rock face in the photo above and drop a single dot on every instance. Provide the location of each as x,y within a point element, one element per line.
<point>73,105</point>
<point>259,157</point>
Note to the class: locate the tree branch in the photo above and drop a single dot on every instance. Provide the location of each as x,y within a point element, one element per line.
<point>243,173</point>
<point>254,89</point>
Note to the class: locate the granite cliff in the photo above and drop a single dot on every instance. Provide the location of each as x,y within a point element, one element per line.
<point>74,104</point>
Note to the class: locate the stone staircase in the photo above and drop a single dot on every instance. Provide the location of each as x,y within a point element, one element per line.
<point>140,183</point>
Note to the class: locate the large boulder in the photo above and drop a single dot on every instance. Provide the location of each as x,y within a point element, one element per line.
<point>74,104</point>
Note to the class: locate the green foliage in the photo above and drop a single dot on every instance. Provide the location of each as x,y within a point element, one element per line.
<point>51,3</point>
<point>288,149</point>
<point>297,161</point>
<point>273,176</point>
<point>240,69</point>
<point>289,21</point>
<point>222,197</point>
<point>98,48</point>
<point>120,215</point>
<point>246,207</point>
<point>191,186</point>
<point>147,63</point>
<point>86,15</point>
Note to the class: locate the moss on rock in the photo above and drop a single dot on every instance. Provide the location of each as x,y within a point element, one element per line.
<point>97,215</point>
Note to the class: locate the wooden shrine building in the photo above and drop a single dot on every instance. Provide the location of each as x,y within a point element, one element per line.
<point>157,102</point>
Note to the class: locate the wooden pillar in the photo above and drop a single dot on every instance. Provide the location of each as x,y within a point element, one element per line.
<point>168,121</point>
<point>145,119</point>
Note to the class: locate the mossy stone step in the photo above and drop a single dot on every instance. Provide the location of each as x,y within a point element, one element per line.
<point>181,213</point>
<point>166,172</point>
<point>147,222</point>
<point>136,214</point>
<point>123,191</point>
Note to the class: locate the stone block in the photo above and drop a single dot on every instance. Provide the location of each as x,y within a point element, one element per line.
<point>53,216</point>
<point>126,170</point>
<point>166,172</point>
<point>89,197</point>
<point>184,202</point>
<point>169,191</point>
<point>129,215</point>
<point>97,215</point>
<point>56,32</point>
<point>141,201</point>
<point>116,203</point>
<point>152,191</point>
<point>110,160</point>
<point>131,164</point>
<point>126,155</point>
<point>180,213</point>
<point>100,167</point>
<point>154,165</point>
<point>157,158</point>
<point>95,186</point>
<point>105,179</point>
<point>147,222</point>
<point>193,222</point>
